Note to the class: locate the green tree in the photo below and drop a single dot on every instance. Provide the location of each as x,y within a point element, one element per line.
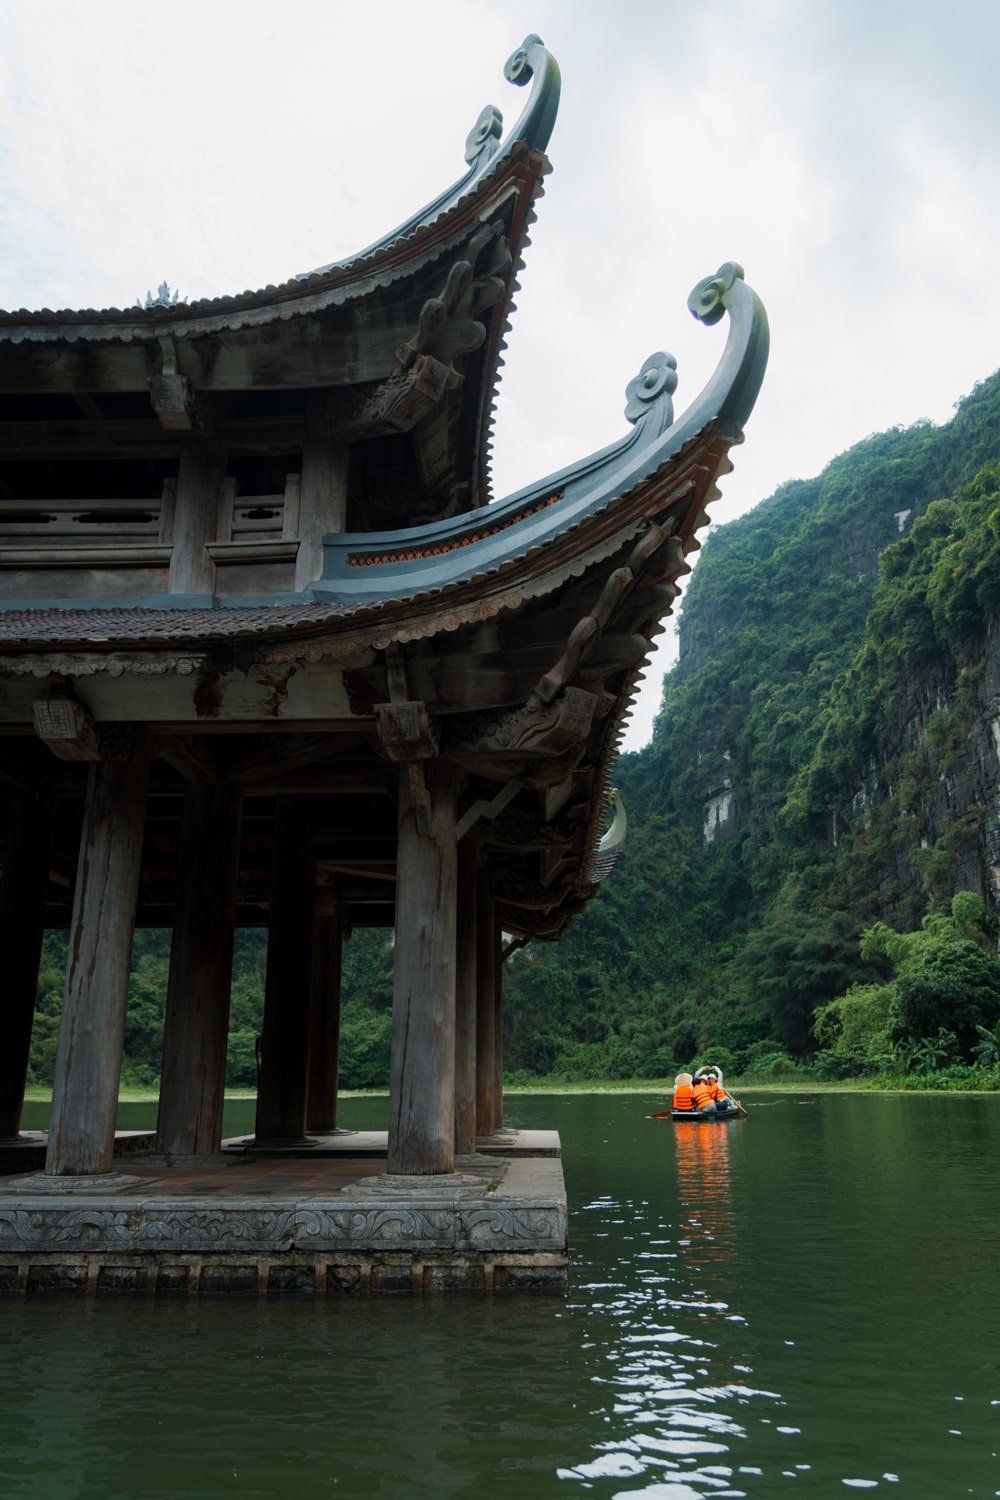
<point>953,986</point>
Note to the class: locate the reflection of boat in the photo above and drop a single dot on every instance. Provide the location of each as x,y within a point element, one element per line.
<point>705,1219</point>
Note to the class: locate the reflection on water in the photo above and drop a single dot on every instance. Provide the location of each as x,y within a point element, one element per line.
<point>677,1395</point>
<point>807,1299</point>
<point>783,1308</point>
<point>705,1198</point>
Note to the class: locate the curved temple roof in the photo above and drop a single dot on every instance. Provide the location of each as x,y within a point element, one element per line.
<point>425,559</point>
<point>486,154</point>
<point>585,504</point>
<point>449,272</point>
<point>507,638</point>
<point>371,570</point>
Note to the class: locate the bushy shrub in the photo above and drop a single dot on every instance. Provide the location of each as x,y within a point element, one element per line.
<point>858,1024</point>
<point>241,1059</point>
<point>365,1037</point>
<point>953,986</point>
<point>768,1062</point>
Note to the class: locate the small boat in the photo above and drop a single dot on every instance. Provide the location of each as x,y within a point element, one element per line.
<point>706,1116</point>
<point>699,1116</point>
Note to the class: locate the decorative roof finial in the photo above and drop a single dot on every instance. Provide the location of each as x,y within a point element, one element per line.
<point>609,850</point>
<point>517,69</point>
<point>651,391</point>
<point>483,140</point>
<point>707,301</point>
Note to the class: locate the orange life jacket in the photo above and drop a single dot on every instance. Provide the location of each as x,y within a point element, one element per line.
<point>683,1096</point>
<point>704,1093</point>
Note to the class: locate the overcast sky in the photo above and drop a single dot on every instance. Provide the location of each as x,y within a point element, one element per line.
<point>844,151</point>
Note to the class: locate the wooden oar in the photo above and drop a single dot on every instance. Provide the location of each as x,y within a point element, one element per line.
<point>740,1107</point>
<point>663,1114</point>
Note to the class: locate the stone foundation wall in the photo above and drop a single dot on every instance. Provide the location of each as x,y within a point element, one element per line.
<point>501,1228</point>
<point>274,1276</point>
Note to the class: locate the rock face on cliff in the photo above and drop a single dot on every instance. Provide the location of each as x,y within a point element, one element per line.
<point>824,710</point>
<point>827,755</point>
<point>928,795</point>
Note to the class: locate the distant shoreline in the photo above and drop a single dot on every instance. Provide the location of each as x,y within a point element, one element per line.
<point>661,1087</point>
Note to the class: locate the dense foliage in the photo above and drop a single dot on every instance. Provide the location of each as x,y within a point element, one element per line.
<point>833,646</point>
<point>366,1016</point>
<point>832,650</point>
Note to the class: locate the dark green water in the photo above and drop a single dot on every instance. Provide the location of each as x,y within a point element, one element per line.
<point>807,1302</point>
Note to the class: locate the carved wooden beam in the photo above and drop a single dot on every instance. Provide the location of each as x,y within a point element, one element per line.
<point>290,753</point>
<point>69,730</point>
<point>67,727</point>
<point>118,437</point>
<point>406,731</point>
<point>537,729</point>
<point>450,325</point>
<point>483,809</point>
<point>408,735</point>
<point>170,392</point>
<point>189,757</point>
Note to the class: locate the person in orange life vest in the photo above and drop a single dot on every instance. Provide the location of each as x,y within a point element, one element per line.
<point>683,1093</point>
<point>704,1092</point>
<point>712,1077</point>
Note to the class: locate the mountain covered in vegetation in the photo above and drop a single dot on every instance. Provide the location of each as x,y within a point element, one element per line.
<point>826,764</point>
<point>826,758</point>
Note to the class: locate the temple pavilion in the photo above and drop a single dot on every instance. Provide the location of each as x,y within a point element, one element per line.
<point>271,655</point>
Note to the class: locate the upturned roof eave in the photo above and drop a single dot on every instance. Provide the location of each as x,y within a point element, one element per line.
<point>357,275</point>
<point>431,558</point>
<point>540,533</point>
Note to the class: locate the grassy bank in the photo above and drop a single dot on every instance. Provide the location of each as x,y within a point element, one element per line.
<point>987,1083</point>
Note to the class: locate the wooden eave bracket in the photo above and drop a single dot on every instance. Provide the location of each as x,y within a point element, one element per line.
<point>450,325</point>
<point>484,809</point>
<point>170,392</point>
<point>407,734</point>
<point>69,730</point>
<point>406,731</point>
<point>399,402</point>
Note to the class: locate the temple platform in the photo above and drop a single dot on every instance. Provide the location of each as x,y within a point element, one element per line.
<point>318,1219</point>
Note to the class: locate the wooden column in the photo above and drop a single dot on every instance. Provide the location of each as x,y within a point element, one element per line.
<point>323,496</point>
<point>497,1021</point>
<point>193,1079</point>
<point>22,925</point>
<point>465,997</point>
<point>284,1066</point>
<point>324,1016</point>
<point>487,1119</point>
<point>89,1052</point>
<point>197,515</point>
<point>422,1079</point>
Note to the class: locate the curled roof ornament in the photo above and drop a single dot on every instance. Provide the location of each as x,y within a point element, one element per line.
<point>650,392</point>
<point>401,564</point>
<point>517,69</point>
<point>483,141</point>
<point>484,150</point>
<point>608,851</point>
<point>486,153</point>
<point>615,836</point>
<point>707,300</point>
<point>533,63</point>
